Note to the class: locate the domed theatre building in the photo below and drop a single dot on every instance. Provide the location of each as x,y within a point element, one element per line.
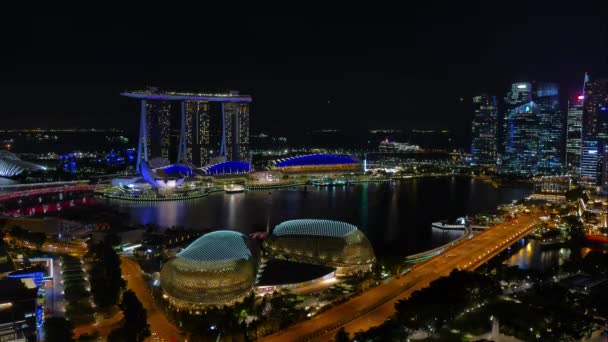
<point>335,244</point>
<point>215,270</point>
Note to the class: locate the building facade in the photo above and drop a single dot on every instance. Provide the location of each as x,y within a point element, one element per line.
<point>595,131</point>
<point>208,127</point>
<point>236,126</point>
<point>198,132</point>
<point>590,161</point>
<point>533,130</point>
<point>574,135</point>
<point>158,127</point>
<point>551,150</point>
<point>322,242</point>
<point>217,269</point>
<point>484,130</point>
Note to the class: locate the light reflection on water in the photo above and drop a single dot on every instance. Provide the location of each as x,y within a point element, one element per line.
<point>396,217</point>
<point>533,256</point>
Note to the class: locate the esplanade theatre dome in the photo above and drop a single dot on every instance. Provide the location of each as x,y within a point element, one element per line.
<point>216,269</point>
<point>322,242</point>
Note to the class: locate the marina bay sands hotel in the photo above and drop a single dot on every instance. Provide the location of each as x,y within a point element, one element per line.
<point>212,127</point>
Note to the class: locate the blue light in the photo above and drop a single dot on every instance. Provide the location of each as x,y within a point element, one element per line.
<point>229,167</point>
<point>37,276</point>
<point>177,169</point>
<point>317,159</point>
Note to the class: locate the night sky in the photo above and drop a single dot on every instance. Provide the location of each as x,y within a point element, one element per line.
<point>313,68</point>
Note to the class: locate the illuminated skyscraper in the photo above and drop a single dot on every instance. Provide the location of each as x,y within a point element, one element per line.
<point>595,131</point>
<point>158,126</point>
<point>534,130</point>
<point>237,130</point>
<point>195,141</point>
<point>484,138</point>
<point>574,134</point>
<point>551,131</point>
<point>595,115</point>
<point>520,93</point>
<point>590,161</point>
<point>521,136</point>
<point>198,134</point>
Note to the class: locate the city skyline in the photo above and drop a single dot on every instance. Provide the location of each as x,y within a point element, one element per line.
<point>384,73</point>
<point>243,174</point>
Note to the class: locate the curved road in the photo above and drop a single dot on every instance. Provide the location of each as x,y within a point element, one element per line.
<point>159,323</point>
<point>375,306</point>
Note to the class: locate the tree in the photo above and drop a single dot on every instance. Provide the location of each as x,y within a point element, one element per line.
<point>342,336</point>
<point>136,318</point>
<point>575,229</point>
<point>112,239</point>
<point>118,335</point>
<point>106,277</point>
<point>37,239</point>
<point>58,329</point>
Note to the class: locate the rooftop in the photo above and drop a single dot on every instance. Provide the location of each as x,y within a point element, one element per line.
<point>217,246</point>
<point>316,159</point>
<point>314,227</point>
<point>155,94</point>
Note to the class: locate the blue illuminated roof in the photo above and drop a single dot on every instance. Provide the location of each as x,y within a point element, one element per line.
<point>317,159</point>
<point>228,168</point>
<point>217,246</point>
<point>314,227</point>
<point>177,169</point>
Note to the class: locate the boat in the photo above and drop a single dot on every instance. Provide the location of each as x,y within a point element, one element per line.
<point>234,188</point>
<point>601,238</point>
<point>328,182</point>
<point>459,224</point>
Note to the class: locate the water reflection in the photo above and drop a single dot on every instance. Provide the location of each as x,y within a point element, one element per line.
<point>534,256</point>
<point>396,217</point>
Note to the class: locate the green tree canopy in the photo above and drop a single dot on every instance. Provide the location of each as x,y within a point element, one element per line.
<point>58,329</point>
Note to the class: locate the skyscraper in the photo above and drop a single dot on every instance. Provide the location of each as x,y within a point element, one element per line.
<point>595,115</point>
<point>521,136</point>
<point>574,135</point>
<point>237,124</point>
<point>205,133</point>
<point>590,161</point>
<point>483,131</point>
<point>551,128</point>
<point>595,130</point>
<point>158,126</point>
<point>198,134</point>
<point>534,132</point>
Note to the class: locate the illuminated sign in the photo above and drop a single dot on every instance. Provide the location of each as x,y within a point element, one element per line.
<point>522,86</point>
<point>580,97</point>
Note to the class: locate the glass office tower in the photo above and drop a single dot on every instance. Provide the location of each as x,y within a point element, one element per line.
<point>574,136</point>
<point>551,128</point>
<point>484,130</point>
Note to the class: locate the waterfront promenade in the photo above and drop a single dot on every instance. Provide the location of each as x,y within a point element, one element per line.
<point>375,306</point>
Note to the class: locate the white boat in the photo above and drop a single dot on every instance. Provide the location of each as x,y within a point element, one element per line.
<point>460,224</point>
<point>232,188</point>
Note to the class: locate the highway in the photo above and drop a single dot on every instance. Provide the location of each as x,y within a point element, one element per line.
<point>375,306</point>
<point>159,323</point>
